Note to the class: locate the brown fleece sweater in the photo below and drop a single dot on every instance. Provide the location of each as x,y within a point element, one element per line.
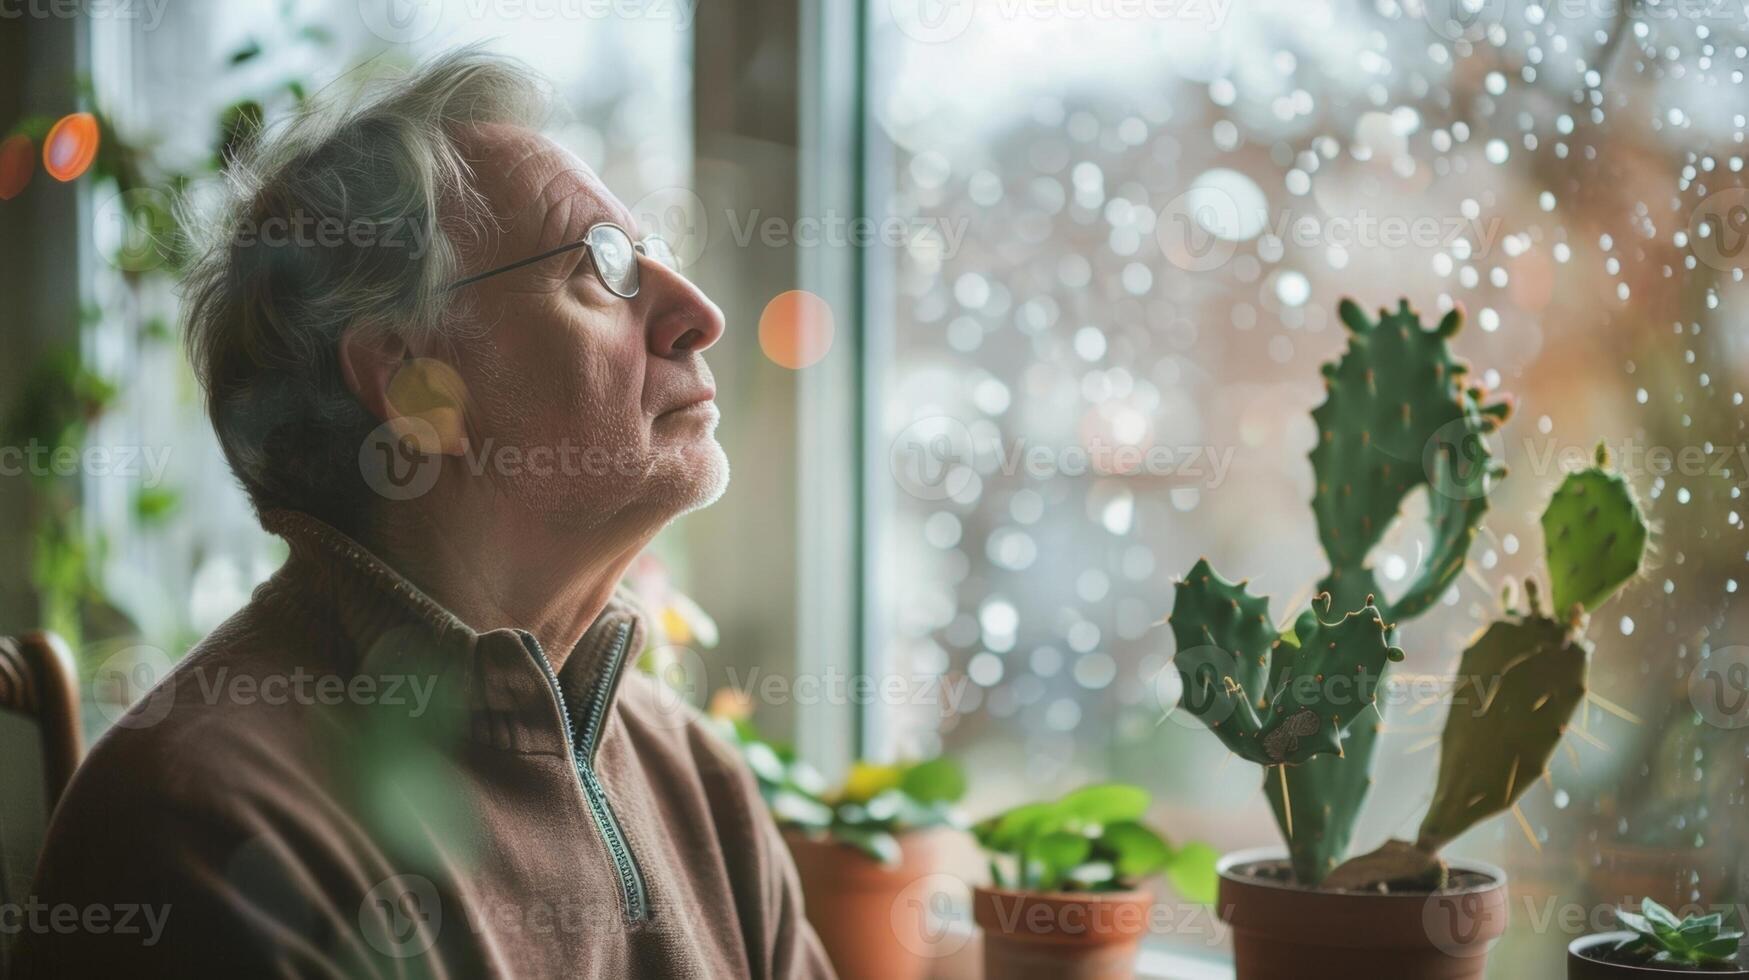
<point>344,780</point>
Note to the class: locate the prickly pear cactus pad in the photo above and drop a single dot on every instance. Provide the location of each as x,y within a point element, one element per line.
<point>1319,688</point>
<point>1516,689</point>
<point>1270,702</point>
<point>1224,638</point>
<point>1399,414</point>
<point>1594,537</point>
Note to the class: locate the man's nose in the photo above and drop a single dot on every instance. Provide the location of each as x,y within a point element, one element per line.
<point>682,319</point>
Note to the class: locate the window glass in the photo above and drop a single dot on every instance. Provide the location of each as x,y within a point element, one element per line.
<point>1129,229</point>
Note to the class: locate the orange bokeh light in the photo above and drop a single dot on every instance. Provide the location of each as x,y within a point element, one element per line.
<point>17,163</point>
<point>71,146</point>
<point>796,329</point>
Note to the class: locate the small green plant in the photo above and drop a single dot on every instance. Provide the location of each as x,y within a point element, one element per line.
<point>1091,840</point>
<point>877,803</point>
<point>1698,942</point>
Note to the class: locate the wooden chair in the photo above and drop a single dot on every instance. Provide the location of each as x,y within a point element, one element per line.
<point>38,681</point>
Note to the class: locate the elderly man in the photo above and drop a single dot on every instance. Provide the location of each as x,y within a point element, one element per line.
<point>450,375</point>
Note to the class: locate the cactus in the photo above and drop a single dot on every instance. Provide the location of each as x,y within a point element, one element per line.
<point>1398,414</point>
<point>1270,701</point>
<point>1518,685</point>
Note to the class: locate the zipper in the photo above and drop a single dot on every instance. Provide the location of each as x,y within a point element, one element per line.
<point>581,744</point>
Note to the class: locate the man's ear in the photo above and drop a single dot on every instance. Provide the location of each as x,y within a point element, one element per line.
<point>422,398</point>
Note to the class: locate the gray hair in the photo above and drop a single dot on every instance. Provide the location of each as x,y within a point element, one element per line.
<point>352,213</point>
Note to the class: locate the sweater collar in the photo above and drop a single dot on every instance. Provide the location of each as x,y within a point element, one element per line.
<point>496,682</point>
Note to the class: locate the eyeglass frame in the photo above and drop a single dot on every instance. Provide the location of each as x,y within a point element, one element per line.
<point>639,248</point>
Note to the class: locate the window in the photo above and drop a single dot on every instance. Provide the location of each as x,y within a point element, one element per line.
<point>1127,237</point>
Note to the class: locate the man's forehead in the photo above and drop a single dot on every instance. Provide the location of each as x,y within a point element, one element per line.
<point>537,187</point>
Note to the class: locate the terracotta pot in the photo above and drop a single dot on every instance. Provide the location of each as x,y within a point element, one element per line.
<point>1283,931</point>
<point>1060,935</point>
<point>1580,965</point>
<point>875,922</point>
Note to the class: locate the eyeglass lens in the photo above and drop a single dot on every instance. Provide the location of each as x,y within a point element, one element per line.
<point>615,259</point>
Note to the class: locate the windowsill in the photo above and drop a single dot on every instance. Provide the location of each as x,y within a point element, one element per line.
<point>1166,964</point>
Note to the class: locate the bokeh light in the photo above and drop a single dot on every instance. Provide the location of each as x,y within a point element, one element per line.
<point>71,146</point>
<point>796,329</point>
<point>17,163</point>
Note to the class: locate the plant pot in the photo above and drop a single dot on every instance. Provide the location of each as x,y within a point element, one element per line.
<point>1283,931</point>
<point>875,922</point>
<point>1060,935</point>
<point>1582,966</point>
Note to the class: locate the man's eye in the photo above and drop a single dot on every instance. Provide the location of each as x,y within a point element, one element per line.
<point>579,264</point>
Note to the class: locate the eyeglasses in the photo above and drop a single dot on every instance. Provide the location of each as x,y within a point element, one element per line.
<point>611,251</point>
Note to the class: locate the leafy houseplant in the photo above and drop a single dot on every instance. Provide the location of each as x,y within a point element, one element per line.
<point>1657,942</point>
<point>866,852</point>
<point>877,804</point>
<point>1398,415</point>
<point>1066,899</point>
